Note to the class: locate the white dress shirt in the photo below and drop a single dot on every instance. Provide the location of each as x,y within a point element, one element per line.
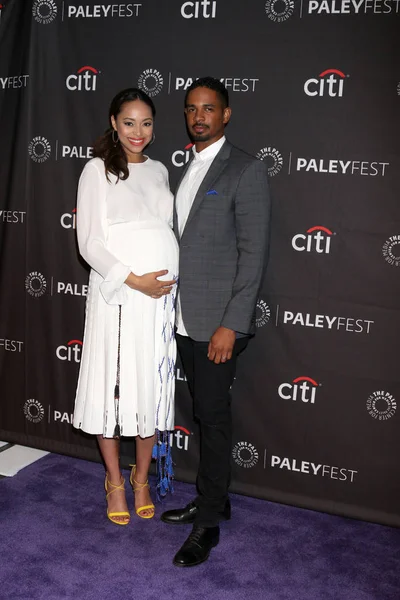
<point>186,194</point>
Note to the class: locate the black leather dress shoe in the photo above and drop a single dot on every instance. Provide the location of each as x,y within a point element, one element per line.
<point>187,515</point>
<point>197,547</point>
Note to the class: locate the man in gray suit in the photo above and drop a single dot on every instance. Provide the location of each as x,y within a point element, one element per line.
<point>221,221</point>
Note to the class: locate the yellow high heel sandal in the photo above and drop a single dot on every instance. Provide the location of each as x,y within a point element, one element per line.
<point>112,515</point>
<point>136,486</point>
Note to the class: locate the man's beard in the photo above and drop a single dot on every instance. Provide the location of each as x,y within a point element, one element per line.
<point>201,137</point>
<point>204,137</point>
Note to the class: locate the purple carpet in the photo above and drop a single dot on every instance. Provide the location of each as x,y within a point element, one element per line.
<point>56,543</point>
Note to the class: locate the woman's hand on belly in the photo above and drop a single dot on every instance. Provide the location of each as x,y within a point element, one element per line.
<point>149,285</point>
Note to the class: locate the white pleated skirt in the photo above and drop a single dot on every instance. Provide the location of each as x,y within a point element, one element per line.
<point>147,342</point>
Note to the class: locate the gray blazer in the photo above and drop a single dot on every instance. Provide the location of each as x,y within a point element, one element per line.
<point>224,246</point>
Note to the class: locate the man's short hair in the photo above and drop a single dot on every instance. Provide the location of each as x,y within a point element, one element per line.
<point>212,84</point>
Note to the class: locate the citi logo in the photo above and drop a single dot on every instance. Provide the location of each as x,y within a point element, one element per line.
<point>206,9</point>
<point>317,239</point>
<point>302,388</point>
<point>84,80</point>
<point>180,438</point>
<point>181,157</point>
<point>330,81</point>
<point>71,352</point>
<point>68,220</point>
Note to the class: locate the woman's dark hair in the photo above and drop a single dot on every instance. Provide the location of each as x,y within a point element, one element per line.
<point>112,153</point>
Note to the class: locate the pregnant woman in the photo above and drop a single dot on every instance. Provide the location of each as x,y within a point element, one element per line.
<point>126,380</point>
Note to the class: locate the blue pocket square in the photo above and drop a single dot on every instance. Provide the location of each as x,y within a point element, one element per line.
<point>212,193</point>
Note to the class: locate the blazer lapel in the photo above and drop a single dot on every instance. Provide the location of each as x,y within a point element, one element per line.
<point>213,172</point>
<point>175,215</point>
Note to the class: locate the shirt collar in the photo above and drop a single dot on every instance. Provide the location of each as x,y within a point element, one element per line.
<point>210,152</point>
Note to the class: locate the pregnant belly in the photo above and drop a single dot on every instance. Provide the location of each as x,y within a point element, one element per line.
<point>145,246</point>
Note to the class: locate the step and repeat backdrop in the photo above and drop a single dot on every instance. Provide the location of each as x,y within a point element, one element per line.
<point>315,93</point>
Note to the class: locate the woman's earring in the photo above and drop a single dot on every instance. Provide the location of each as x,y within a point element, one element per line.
<point>113,138</point>
<point>152,139</point>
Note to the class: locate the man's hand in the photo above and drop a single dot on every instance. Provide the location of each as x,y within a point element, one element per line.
<point>221,345</point>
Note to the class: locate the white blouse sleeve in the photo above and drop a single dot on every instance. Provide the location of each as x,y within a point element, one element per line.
<point>92,233</point>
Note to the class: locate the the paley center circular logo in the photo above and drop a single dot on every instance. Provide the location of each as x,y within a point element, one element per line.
<point>245,455</point>
<point>39,149</point>
<point>381,405</point>
<point>391,250</point>
<point>44,11</point>
<point>273,158</point>
<point>279,10</point>
<point>263,313</point>
<point>33,410</point>
<point>35,284</point>
<point>151,81</point>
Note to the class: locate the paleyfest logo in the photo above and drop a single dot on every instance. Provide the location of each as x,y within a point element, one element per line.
<point>306,467</point>
<point>245,455</point>
<point>39,149</point>
<point>273,158</point>
<point>35,284</point>
<point>342,167</point>
<point>347,324</point>
<point>381,405</point>
<point>151,81</point>
<point>263,313</point>
<point>279,10</point>
<point>351,7</point>
<point>44,11</point>
<point>234,84</point>
<point>33,410</point>
<point>97,11</point>
<point>391,250</point>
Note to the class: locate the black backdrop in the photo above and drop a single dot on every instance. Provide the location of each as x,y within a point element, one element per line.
<point>315,92</point>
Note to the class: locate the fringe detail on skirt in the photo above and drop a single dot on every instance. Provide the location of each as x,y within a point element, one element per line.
<point>165,472</point>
